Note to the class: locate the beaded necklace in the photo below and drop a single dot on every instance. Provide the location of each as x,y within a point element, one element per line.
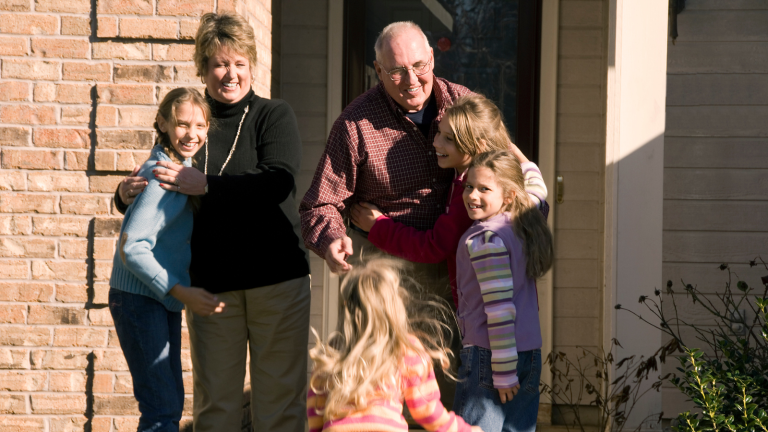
<point>234,144</point>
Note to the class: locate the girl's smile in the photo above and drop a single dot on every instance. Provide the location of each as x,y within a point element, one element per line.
<point>483,196</point>
<point>445,149</point>
<point>190,130</point>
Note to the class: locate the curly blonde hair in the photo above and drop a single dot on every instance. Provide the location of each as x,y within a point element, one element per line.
<point>223,30</point>
<point>477,125</point>
<point>379,320</point>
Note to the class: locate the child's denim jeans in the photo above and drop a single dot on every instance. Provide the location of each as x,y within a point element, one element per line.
<point>477,401</point>
<point>150,337</point>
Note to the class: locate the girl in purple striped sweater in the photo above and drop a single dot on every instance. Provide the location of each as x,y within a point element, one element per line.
<point>499,257</point>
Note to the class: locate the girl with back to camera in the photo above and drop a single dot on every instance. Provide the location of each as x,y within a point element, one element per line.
<point>507,247</point>
<point>471,126</point>
<point>381,355</point>
<point>150,282</point>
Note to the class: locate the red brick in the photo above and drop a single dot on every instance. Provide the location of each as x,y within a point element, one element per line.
<point>13,404</point>
<point>67,424</point>
<point>85,204</point>
<point>75,115</point>
<point>28,114</point>
<point>69,93</point>
<point>22,381</point>
<point>29,24</point>
<point>100,317</point>
<point>106,115</point>
<point>73,249</point>
<point>25,336</point>
<point>122,7</point>
<point>76,160</point>
<point>58,181</point>
<point>60,226</point>
<point>101,296</point>
<point>12,180</point>
<point>14,91</point>
<point>26,291</point>
<point>128,94</point>
<point>76,71</point>
<point>12,314</point>
<point>17,423</point>
<point>114,342</point>
<point>14,136</point>
<point>103,249</point>
<point>123,383</point>
<point>121,51</point>
<point>80,337</point>
<point>126,160</point>
<point>13,46</point>
<point>105,184</point>
<point>104,424</point>
<point>25,247</point>
<point>106,227</point>
<point>62,138</point>
<point>188,29</point>
<point>110,360</point>
<point>75,26</point>
<point>32,159</point>
<point>184,7</point>
<point>173,52</point>
<point>104,160</point>
<point>70,6</point>
<point>126,424</point>
<point>103,383</point>
<point>14,359</point>
<point>58,404</point>
<point>185,74</point>
<point>59,270</point>
<point>14,269</point>
<point>149,28</point>
<point>163,90</point>
<point>67,382</point>
<point>59,359</point>
<point>102,270</point>
<point>27,203</point>
<point>137,116</point>
<point>41,314</point>
<point>124,139</point>
<point>143,73</point>
<point>106,27</point>
<point>71,293</point>
<point>115,405</point>
<point>61,48</point>
<point>227,6</point>
<point>16,6</point>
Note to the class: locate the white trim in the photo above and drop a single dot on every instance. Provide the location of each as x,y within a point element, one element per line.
<point>547,150</point>
<point>333,110</point>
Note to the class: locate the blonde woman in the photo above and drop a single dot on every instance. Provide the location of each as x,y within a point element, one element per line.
<point>246,242</point>
<point>381,357</point>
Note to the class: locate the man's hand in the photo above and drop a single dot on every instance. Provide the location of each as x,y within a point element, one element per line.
<point>364,215</point>
<point>198,300</point>
<point>337,253</point>
<point>131,186</point>
<point>506,394</point>
<point>178,178</point>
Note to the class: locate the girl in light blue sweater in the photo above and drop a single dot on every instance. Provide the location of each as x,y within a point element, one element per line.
<point>150,282</point>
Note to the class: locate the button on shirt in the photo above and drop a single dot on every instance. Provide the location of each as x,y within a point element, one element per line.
<point>376,154</point>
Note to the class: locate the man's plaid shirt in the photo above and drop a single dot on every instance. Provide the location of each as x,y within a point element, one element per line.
<point>378,155</point>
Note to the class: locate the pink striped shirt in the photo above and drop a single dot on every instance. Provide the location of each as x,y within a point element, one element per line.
<point>385,412</point>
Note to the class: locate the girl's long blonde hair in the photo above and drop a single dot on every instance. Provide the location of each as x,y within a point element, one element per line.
<point>378,320</point>
<point>528,222</point>
<point>477,125</point>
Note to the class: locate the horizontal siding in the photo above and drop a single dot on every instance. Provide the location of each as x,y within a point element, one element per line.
<point>723,25</point>
<point>717,57</point>
<point>716,184</point>
<point>718,5</point>
<point>715,152</point>
<point>717,89</point>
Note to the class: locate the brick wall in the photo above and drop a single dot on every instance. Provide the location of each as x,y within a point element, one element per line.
<point>78,93</point>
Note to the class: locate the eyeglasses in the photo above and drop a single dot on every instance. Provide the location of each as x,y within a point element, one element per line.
<point>419,69</point>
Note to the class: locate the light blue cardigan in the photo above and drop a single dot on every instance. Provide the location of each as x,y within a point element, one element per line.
<point>153,252</point>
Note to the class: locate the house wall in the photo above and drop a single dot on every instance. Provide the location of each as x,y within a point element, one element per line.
<point>79,85</point>
<point>580,156</point>
<point>716,148</point>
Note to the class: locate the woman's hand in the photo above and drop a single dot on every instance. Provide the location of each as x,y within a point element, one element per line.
<point>131,186</point>
<point>198,300</point>
<point>506,394</point>
<point>364,215</point>
<point>476,429</point>
<point>178,178</point>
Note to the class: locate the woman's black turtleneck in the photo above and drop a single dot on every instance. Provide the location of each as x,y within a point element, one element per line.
<point>247,232</point>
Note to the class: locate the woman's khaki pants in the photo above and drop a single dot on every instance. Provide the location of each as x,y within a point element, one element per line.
<point>274,322</point>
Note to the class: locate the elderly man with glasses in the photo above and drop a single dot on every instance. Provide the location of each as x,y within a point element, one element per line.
<point>380,151</point>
